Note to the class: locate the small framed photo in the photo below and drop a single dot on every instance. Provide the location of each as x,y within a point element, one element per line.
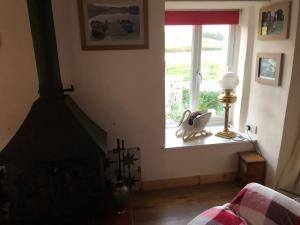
<point>268,68</point>
<point>113,24</point>
<point>274,21</point>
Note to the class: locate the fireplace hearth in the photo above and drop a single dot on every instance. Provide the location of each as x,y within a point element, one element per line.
<point>54,163</point>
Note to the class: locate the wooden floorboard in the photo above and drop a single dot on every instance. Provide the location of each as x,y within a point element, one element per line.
<point>178,206</point>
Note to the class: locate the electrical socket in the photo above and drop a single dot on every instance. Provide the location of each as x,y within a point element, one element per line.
<point>251,128</point>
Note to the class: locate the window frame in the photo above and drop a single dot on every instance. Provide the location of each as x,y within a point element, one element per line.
<point>195,72</point>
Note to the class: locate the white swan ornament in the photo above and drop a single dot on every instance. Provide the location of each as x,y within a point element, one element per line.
<point>192,125</point>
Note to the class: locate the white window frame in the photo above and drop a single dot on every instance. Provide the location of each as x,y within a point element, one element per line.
<point>196,75</point>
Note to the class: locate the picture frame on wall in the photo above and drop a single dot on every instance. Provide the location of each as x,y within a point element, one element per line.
<point>274,21</point>
<point>269,68</point>
<point>113,24</point>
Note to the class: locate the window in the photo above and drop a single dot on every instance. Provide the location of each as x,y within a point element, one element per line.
<point>195,57</point>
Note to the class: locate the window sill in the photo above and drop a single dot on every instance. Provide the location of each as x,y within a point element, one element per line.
<point>173,142</point>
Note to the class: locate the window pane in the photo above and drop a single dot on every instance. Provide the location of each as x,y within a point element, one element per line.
<point>214,57</point>
<point>178,46</point>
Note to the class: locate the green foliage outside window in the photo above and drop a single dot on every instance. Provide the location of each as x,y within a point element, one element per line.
<point>210,41</point>
<point>176,109</point>
<point>180,69</point>
<point>208,100</point>
<point>210,71</point>
<point>186,98</point>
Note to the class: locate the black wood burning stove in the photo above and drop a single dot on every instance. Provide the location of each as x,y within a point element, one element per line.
<point>54,163</point>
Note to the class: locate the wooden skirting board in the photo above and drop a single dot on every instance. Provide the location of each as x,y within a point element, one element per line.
<point>188,181</point>
<point>218,0</point>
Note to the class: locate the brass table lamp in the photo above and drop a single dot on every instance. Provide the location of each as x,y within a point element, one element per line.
<point>228,83</point>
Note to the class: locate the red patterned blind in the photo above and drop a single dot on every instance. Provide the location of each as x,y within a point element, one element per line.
<point>201,17</point>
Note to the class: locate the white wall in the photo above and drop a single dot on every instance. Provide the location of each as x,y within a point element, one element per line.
<point>244,64</point>
<point>18,78</point>
<point>291,130</point>
<point>267,104</point>
<point>123,91</point>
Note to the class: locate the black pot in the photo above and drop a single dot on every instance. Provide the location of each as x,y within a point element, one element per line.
<point>120,196</point>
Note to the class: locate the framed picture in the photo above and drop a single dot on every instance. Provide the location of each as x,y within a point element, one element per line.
<point>274,21</point>
<point>268,68</point>
<point>113,24</point>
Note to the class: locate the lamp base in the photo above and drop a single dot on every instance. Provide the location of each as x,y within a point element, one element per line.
<point>228,134</point>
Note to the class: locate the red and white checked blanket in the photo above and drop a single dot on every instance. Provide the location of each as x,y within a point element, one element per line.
<point>253,205</point>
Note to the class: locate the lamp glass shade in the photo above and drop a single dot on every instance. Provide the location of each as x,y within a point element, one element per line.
<point>229,81</point>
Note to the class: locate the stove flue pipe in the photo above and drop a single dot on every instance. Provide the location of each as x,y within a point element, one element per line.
<point>45,48</point>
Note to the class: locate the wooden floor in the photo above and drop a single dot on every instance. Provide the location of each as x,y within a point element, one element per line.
<point>179,205</point>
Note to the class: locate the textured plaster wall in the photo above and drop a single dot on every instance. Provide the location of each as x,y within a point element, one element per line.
<point>18,78</point>
<point>123,91</point>
<point>291,131</point>
<point>267,104</point>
